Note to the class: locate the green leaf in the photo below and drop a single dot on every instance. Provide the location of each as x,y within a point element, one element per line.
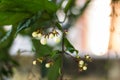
<point>50,6</point>
<point>43,70</point>
<point>41,50</point>
<point>26,23</point>
<point>68,6</point>
<point>59,26</point>
<point>67,43</point>
<point>53,53</point>
<point>12,18</point>
<point>26,6</point>
<point>69,46</point>
<point>54,72</point>
<point>15,11</point>
<point>6,36</point>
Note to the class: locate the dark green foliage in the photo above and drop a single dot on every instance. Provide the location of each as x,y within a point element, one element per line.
<point>69,5</point>
<point>14,11</point>
<point>28,22</point>
<point>8,18</point>
<point>59,26</point>
<point>54,71</point>
<point>6,36</point>
<point>69,46</point>
<point>41,50</point>
<point>23,6</point>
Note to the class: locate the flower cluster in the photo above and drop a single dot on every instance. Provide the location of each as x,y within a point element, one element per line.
<point>44,37</point>
<point>82,64</point>
<point>48,64</point>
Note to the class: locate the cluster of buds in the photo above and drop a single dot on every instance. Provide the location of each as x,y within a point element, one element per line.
<point>40,60</point>
<point>44,37</point>
<point>48,64</point>
<point>88,58</point>
<point>82,64</point>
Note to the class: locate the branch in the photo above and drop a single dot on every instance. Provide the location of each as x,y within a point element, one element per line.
<point>62,54</point>
<point>75,59</point>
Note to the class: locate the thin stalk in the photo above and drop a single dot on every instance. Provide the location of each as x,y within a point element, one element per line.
<point>0,77</point>
<point>75,59</point>
<point>62,55</point>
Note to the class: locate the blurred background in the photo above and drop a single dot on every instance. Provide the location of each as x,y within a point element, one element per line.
<point>96,32</point>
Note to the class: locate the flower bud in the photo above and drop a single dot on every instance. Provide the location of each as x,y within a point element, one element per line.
<point>34,62</point>
<point>84,67</point>
<point>40,60</point>
<point>39,35</point>
<point>87,56</point>
<point>47,65</point>
<point>81,62</point>
<point>34,34</point>
<point>43,41</point>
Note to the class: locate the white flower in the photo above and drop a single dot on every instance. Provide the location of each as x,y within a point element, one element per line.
<point>43,41</point>
<point>51,36</point>
<point>57,39</point>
